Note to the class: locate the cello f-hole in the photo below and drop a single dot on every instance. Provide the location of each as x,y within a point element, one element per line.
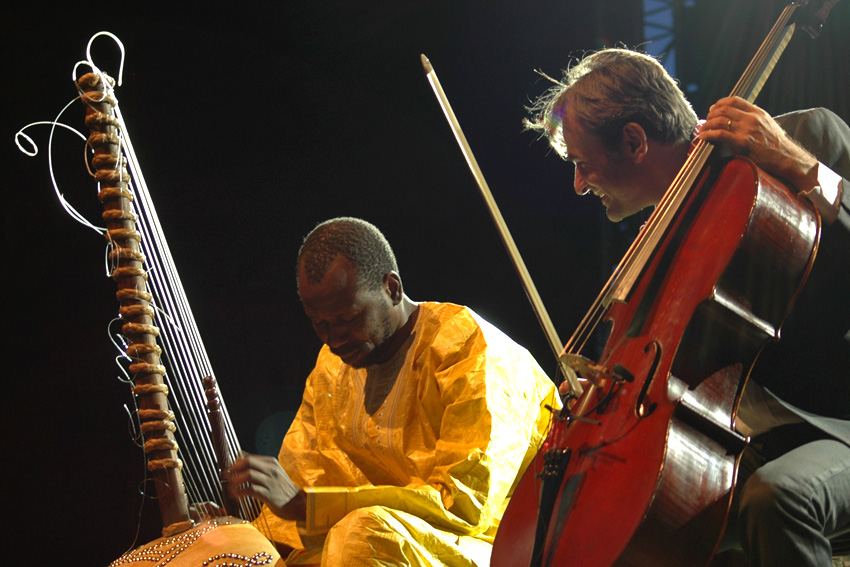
<point>645,406</point>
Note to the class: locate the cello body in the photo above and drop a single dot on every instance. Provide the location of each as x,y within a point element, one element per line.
<point>646,476</point>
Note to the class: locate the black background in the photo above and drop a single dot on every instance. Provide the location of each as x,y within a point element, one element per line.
<point>252,123</point>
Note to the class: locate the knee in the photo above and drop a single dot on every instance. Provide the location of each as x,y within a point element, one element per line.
<point>759,494</point>
<point>364,536</point>
<point>371,518</point>
<point>767,495</point>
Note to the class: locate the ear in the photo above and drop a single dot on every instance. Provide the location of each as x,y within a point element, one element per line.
<point>393,286</point>
<point>634,142</point>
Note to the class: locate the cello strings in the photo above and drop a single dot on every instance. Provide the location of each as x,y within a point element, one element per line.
<point>756,73</point>
<point>639,253</point>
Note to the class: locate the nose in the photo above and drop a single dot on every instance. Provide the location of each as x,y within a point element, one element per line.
<point>331,335</point>
<point>579,184</point>
<point>335,335</point>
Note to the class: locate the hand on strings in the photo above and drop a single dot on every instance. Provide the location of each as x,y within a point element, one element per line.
<point>263,478</point>
<point>748,130</point>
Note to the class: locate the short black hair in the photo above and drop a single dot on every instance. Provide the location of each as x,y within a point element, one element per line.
<point>355,239</point>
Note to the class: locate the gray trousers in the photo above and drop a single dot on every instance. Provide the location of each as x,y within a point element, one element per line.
<point>796,499</point>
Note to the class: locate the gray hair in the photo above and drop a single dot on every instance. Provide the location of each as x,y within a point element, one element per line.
<point>608,89</point>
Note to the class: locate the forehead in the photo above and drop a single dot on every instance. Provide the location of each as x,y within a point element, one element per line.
<point>579,142</point>
<point>336,292</point>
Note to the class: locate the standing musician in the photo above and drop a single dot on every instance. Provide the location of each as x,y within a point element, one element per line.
<point>628,129</point>
<point>415,424</point>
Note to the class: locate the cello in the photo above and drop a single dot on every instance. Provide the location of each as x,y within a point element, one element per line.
<point>642,468</point>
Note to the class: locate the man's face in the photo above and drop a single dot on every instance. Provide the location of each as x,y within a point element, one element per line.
<point>610,175</point>
<point>354,323</point>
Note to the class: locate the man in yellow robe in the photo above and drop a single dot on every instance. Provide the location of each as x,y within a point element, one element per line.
<point>415,424</point>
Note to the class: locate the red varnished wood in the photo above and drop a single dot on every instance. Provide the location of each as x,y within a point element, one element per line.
<point>646,486</point>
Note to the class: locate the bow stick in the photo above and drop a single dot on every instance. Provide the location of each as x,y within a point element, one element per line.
<point>531,291</point>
